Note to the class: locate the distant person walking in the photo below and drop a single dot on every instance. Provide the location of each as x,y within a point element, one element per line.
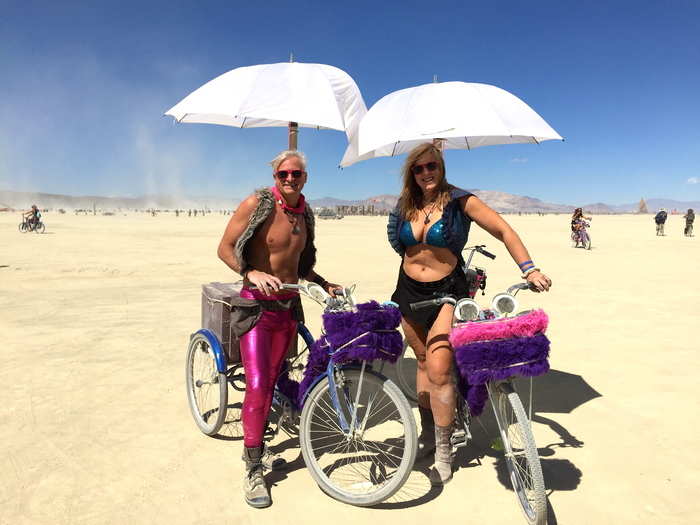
<point>660,220</point>
<point>689,219</point>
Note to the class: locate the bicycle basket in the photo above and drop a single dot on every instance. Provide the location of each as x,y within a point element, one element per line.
<point>498,349</point>
<point>367,333</point>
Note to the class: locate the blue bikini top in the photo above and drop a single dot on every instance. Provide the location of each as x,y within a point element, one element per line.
<point>435,236</point>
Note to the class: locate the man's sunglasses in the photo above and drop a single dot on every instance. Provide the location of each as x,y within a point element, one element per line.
<point>283,174</point>
<point>417,169</point>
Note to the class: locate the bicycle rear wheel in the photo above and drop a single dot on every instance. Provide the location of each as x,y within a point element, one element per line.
<point>521,456</point>
<point>406,367</point>
<point>207,388</point>
<point>368,465</point>
<point>39,227</point>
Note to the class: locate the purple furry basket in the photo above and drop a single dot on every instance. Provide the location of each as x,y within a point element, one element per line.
<point>366,334</point>
<point>481,361</point>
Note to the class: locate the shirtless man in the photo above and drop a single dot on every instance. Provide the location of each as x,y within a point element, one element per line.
<point>269,241</point>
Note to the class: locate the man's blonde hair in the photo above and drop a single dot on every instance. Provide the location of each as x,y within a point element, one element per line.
<point>286,154</point>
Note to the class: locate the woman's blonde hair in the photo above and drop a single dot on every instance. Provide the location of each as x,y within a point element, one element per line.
<point>411,198</point>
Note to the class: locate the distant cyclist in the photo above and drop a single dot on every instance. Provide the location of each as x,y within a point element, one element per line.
<point>578,220</point>
<point>32,215</point>
<point>660,220</point>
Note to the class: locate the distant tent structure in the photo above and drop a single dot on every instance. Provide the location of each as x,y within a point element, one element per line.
<point>642,208</point>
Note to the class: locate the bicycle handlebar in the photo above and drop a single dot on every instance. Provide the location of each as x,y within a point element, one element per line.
<point>432,302</point>
<point>488,254</point>
<point>451,299</point>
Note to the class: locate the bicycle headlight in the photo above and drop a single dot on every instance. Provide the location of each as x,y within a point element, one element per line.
<point>504,304</point>
<point>467,310</point>
<point>317,293</point>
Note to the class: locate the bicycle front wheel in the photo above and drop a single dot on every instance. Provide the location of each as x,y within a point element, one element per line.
<point>371,461</point>
<point>207,388</point>
<point>522,459</point>
<point>587,241</point>
<point>22,227</point>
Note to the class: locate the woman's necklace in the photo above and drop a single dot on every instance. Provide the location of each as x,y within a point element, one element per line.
<point>427,215</point>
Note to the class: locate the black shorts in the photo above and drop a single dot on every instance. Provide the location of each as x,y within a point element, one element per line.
<point>411,291</point>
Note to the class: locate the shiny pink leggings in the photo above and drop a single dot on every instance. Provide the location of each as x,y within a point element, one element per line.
<point>263,350</point>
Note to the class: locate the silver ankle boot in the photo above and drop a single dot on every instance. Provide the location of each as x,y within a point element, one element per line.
<point>254,488</point>
<point>441,472</point>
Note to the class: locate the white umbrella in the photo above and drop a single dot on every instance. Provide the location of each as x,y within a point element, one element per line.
<point>462,115</point>
<point>285,94</point>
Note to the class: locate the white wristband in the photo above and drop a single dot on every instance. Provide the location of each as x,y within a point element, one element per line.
<point>530,271</point>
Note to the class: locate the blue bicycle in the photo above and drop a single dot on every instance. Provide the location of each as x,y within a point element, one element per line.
<point>355,427</point>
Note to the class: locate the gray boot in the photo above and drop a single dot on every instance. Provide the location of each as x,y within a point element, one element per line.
<point>254,488</point>
<point>426,439</point>
<point>441,472</point>
<point>271,461</point>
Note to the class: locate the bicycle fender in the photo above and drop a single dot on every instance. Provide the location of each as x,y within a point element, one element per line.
<point>215,347</point>
<point>305,334</point>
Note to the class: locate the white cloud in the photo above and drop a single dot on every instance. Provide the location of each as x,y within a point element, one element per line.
<point>519,160</point>
<point>693,180</point>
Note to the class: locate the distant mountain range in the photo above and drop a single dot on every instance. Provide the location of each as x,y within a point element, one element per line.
<point>498,200</point>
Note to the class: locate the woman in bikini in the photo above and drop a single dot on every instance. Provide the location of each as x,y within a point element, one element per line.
<point>429,228</point>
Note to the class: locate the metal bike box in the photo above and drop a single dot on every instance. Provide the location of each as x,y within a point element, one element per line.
<point>216,315</point>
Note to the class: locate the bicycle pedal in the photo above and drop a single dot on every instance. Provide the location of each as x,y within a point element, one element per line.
<point>458,439</point>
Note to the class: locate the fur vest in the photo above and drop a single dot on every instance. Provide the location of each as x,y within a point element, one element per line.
<point>266,203</point>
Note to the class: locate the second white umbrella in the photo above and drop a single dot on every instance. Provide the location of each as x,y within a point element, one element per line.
<point>463,115</point>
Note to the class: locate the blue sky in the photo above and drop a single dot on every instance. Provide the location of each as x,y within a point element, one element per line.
<point>85,84</point>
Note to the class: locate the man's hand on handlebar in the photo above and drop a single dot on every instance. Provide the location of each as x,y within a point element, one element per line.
<point>332,288</point>
<point>264,281</point>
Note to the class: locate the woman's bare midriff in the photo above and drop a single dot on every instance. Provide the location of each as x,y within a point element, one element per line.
<point>426,263</point>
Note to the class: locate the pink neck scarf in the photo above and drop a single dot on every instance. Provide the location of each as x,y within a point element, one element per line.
<point>300,207</point>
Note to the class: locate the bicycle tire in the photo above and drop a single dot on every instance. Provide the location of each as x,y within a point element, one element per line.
<point>22,227</point>
<point>405,375</point>
<point>318,424</point>
<point>39,227</point>
<point>520,452</point>
<point>208,416</point>
<point>574,240</point>
<point>587,241</point>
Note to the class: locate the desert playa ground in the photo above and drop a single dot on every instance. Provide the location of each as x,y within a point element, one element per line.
<point>94,424</point>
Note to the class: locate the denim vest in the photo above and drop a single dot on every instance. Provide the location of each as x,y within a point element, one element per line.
<point>456,230</point>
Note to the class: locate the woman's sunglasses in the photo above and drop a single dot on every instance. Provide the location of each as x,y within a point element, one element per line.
<point>283,174</point>
<point>417,169</point>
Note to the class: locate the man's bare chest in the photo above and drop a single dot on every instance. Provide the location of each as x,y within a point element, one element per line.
<point>282,232</point>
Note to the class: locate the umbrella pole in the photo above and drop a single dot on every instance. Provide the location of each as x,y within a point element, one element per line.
<point>293,131</point>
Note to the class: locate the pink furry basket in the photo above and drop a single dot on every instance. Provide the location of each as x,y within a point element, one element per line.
<point>523,325</point>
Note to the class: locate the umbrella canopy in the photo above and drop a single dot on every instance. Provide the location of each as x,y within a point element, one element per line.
<point>463,115</point>
<point>310,95</point>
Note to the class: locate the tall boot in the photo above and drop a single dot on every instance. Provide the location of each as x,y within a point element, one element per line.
<point>254,488</point>
<point>426,438</point>
<point>441,472</point>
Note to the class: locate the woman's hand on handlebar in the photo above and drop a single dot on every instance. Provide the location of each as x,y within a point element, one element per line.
<point>538,281</point>
<point>264,281</point>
